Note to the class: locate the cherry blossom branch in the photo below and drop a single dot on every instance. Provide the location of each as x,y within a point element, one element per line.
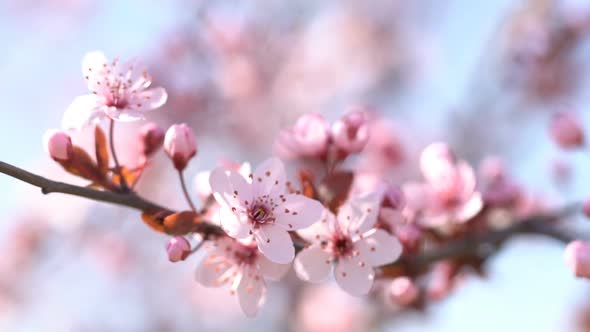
<point>185,191</point>
<point>471,245</point>
<point>489,241</point>
<point>49,186</point>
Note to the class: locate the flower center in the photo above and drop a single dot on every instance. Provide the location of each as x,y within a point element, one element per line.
<point>117,94</point>
<point>342,245</point>
<point>260,214</point>
<point>245,255</point>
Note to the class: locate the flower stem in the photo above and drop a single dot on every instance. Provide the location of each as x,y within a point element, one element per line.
<point>185,191</point>
<point>118,169</point>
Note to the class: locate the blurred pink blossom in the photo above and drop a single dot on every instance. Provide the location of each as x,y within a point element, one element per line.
<point>240,265</point>
<point>351,132</point>
<point>449,194</point>
<point>567,130</point>
<point>577,258</point>
<point>403,291</point>
<point>309,137</point>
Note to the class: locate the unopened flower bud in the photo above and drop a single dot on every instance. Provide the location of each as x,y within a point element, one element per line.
<point>577,257</point>
<point>435,158</point>
<point>152,138</point>
<point>180,145</point>
<point>394,198</point>
<point>410,236</point>
<point>178,249</point>
<point>351,132</point>
<point>586,208</point>
<point>58,144</point>
<point>566,130</point>
<point>403,291</point>
<point>311,133</point>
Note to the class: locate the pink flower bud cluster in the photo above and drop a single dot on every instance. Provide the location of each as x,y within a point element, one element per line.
<point>312,136</point>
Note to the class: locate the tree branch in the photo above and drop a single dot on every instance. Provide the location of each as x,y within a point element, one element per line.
<point>474,244</point>
<point>48,186</point>
<point>469,245</point>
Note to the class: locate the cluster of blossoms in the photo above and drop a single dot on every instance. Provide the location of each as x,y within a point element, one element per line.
<point>255,224</point>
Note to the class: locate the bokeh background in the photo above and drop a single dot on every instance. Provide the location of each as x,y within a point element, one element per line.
<point>483,75</point>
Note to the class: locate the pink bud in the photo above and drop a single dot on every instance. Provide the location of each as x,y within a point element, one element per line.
<point>586,208</point>
<point>178,249</point>
<point>566,130</point>
<point>394,198</point>
<point>58,144</point>
<point>404,291</point>
<point>410,236</point>
<point>311,134</point>
<point>492,169</point>
<point>152,138</point>
<point>351,132</point>
<point>180,145</point>
<point>435,158</point>
<point>577,257</point>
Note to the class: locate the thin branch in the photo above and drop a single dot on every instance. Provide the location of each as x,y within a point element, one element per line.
<point>48,186</point>
<point>185,191</point>
<point>470,245</point>
<point>535,225</point>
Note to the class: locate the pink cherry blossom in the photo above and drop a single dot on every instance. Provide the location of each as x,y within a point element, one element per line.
<point>118,92</point>
<point>180,145</point>
<point>260,205</point>
<point>178,248</point>
<point>58,144</point>
<point>309,137</point>
<point>449,193</point>
<point>404,291</point>
<point>577,258</point>
<point>350,242</point>
<point>567,130</point>
<point>240,265</point>
<point>351,132</point>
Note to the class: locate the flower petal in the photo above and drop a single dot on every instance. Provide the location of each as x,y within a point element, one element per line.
<point>271,270</point>
<point>251,292</point>
<point>93,68</point>
<point>275,243</point>
<point>354,276</point>
<point>234,224</point>
<point>219,183</point>
<point>321,230</point>
<point>469,209</point>
<point>379,248</point>
<point>152,98</point>
<point>269,178</point>
<point>242,190</point>
<point>313,264</point>
<point>81,112</point>
<point>360,214</point>
<point>298,211</point>
<point>124,115</point>
<point>230,188</point>
<point>212,269</point>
